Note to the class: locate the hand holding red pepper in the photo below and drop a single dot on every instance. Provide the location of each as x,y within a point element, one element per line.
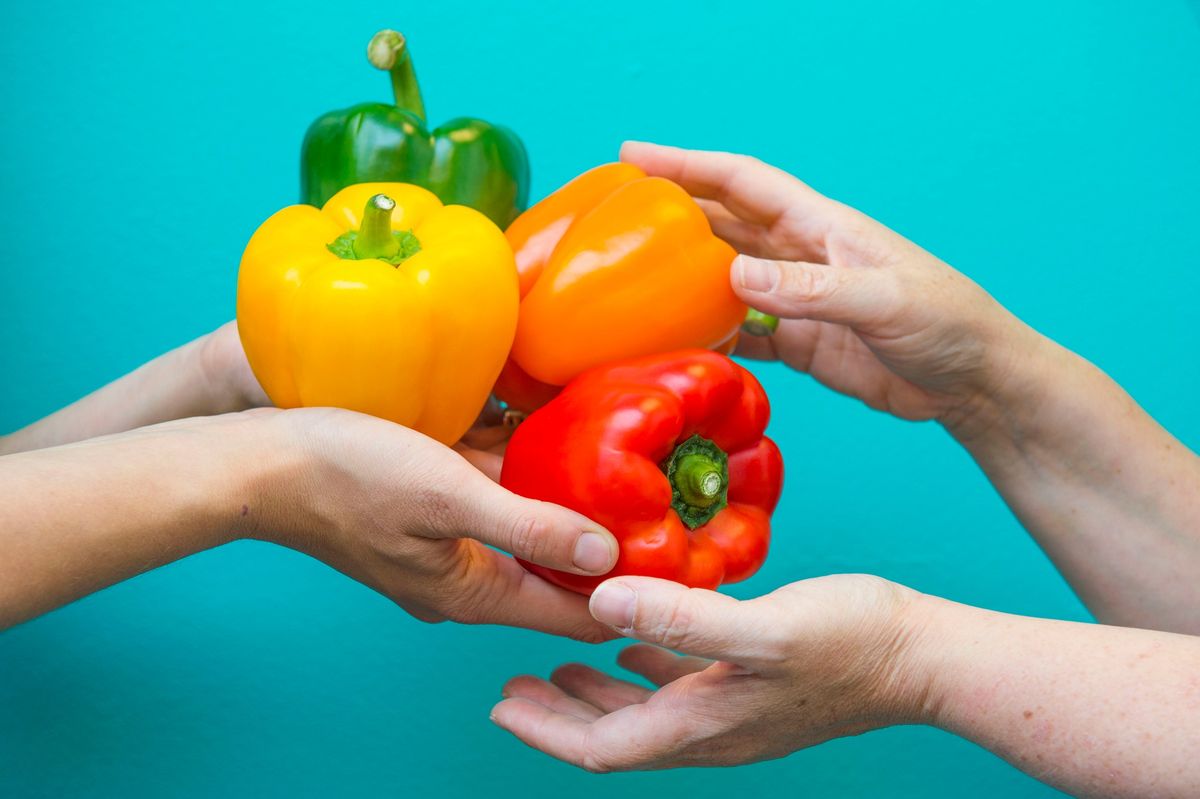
<point>667,452</point>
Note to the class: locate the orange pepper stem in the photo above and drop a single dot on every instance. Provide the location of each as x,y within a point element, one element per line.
<point>389,52</point>
<point>375,239</point>
<point>698,471</point>
<point>758,323</point>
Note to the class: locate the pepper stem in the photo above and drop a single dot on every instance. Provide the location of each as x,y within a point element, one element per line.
<point>698,471</point>
<point>375,239</point>
<point>758,323</point>
<point>699,480</point>
<point>388,51</point>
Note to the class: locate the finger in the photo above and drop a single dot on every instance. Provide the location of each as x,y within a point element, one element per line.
<point>495,589</point>
<point>658,665</point>
<point>487,462</point>
<point>487,437</point>
<point>755,192</point>
<point>858,298</point>
<point>539,532</point>
<point>597,688</point>
<point>559,735</point>
<point>636,736</point>
<point>689,620</point>
<point>745,237</point>
<point>549,695</point>
<point>759,348</point>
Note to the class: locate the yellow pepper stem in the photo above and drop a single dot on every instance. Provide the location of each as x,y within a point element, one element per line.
<point>375,239</point>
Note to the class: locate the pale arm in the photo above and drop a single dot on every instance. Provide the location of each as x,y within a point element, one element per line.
<point>204,377</point>
<point>1093,710</point>
<point>77,518</point>
<point>1112,497</point>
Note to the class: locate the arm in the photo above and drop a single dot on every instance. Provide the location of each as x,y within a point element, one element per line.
<point>1112,497</point>
<point>1109,495</point>
<point>204,377</point>
<point>1095,711</point>
<point>381,503</point>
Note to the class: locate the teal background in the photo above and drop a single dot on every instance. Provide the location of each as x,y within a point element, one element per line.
<point>1049,150</point>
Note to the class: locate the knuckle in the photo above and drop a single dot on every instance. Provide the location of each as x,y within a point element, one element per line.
<point>748,162</point>
<point>595,764</point>
<point>674,627</point>
<point>807,285</point>
<point>530,537</point>
<point>591,633</point>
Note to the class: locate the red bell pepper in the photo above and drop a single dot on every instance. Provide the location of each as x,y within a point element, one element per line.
<point>668,453</point>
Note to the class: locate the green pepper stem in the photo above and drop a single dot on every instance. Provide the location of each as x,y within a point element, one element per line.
<point>758,323</point>
<point>389,52</point>
<point>699,479</point>
<point>375,239</point>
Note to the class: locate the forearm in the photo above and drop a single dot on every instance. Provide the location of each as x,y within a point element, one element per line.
<point>77,518</point>
<point>1093,710</point>
<point>1110,495</point>
<point>201,378</point>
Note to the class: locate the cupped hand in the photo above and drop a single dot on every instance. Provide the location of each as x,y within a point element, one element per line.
<point>416,521</point>
<point>761,678</point>
<point>866,312</point>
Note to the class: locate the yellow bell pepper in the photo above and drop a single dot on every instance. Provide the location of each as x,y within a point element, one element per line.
<point>405,310</point>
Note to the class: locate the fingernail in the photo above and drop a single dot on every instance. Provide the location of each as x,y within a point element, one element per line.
<point>756,275</point>
<point>593,554</point>
<point>614,604</point>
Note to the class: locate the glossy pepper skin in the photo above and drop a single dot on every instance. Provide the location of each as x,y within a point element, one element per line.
<point>668,453</point>
<point>465,161</point>
<point>409,320</point>
<point>613,265</point>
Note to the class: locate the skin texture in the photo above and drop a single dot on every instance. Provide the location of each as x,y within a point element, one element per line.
<point>1109,495</point>
<point>381,503</point>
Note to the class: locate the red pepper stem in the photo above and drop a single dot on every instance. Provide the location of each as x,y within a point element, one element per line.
<point>698,471</point>
<point>389,51</point>
<point>699,479</point>
<point>375,239</point>
<point>758,323</point>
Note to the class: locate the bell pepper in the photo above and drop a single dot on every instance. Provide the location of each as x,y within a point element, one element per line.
<point>668,453</point>
<point>613,265</point>
<point>384,301</point>
<point>465,161</point>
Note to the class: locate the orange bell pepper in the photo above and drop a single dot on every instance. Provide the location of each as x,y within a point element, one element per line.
<point>404,311</point>
<point>613,265</point>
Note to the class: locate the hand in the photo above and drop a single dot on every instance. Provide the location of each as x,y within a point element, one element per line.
<point>410,518</point>
<point>866,312</point>
<point>815,660</point>
<point>227,373</point>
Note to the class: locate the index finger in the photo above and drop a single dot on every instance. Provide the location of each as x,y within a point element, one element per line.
<point>754,191</point>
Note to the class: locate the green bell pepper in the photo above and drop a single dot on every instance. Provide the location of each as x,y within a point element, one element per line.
<point>465,161</point>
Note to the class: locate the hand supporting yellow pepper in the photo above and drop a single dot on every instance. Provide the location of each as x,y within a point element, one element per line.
<point>384,301</point>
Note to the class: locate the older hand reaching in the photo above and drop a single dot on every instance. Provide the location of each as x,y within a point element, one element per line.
<point>840,655</point>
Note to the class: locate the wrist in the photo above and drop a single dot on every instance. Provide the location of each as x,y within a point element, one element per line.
<point>1018,365</point>
<point>225,380</point>
<point>940,630</point>
<point>268,467</point>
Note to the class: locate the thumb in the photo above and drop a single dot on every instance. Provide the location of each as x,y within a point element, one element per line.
<point>802,290</point>
<point>689,620</point>
<point>539,532</point>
